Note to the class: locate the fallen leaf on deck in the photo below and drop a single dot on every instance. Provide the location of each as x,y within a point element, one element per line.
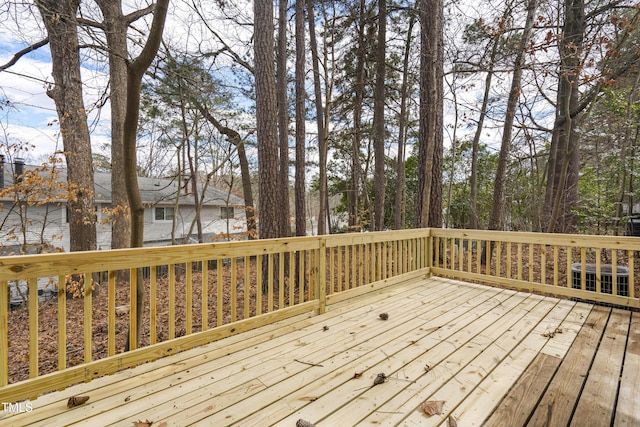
<point>433,407</point>
<point>384,316</point>
<point>145,423</point>
<point>452,421</point>
<point>76,401</point>
<point>357,375</point>
<point>304,423</point>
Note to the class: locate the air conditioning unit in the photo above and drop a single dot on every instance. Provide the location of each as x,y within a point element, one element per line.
<point>606,278</point>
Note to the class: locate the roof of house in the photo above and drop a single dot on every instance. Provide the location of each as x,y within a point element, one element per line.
<point>152,190</point>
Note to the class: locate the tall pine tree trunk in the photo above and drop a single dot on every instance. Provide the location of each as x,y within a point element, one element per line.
<point>378,117</point>
<point>301,223</point>
<point>429,203</point>
<point>400,196</point>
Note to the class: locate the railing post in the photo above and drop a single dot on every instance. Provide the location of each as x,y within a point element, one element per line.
<point>321,275</point>
<point>429,251</point>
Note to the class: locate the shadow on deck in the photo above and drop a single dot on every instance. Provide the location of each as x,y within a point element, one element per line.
<point>492,356</point>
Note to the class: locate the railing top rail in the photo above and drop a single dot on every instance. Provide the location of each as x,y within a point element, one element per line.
<point>42,265</point>
<point>593,241</point>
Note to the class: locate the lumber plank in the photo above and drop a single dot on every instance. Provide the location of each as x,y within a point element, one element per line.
<point>597,400</point>
<point>441,354</point>
<point>284,378</point>
<point>628,405</point>
<point>558,401</point>
<point>516,407</point>
<point>495,369</point>
<point>478,405</point>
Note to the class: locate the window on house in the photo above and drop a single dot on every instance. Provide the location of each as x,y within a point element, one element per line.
<point>164,214</point>
<point>226,212</point>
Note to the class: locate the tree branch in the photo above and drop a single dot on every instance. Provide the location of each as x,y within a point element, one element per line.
<point>23,52</point>
<point>137,14</point>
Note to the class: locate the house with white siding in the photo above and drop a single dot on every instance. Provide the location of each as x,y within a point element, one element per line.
<point>169,211</point>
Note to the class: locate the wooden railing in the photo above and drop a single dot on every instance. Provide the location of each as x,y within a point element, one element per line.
<point>600,269</point>
<point>194,294</point>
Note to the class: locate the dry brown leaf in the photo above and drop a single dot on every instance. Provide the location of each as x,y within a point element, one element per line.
<point>145,423</point>
<point>384,316</point>
<point>452,421</point>
<point>76,401</point>
<point>304,423</point>
<point>357,375</point>
<point>433,407</point>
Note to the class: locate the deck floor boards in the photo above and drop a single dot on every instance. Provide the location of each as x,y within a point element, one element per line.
<point>495,357</point>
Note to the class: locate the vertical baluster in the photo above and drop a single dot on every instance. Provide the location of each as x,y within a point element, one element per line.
<point>88,311</point>
<point>378,261</point>
<point>204,304</point>
<point>543,264</point>
<point>32,285</point>
<point>598,270</point>
<point>614,271</point>
<point>519,261</point>
<point>62,323</point>
<point>354,267</point>
<point>531,262</point>
<point>583,263</point>
<point>487,261</point>
<point>270,296</point>
<point>292,274</point>
<point>111,314</point>
<point>302,276</point>
<point>508,258</point>
<point>556,266</point>
<point>360,264</point>
<point>340,269</point>
<point>569,271</point>
<point>189,297</point>
<point>258,285</point>
<point>233,288</point>
<point>133,308</point>
<point>498,258</point>
<point>153,304</point>
<point>4,332</point>
<point>348,265</point>
<point>281,280</point>
<point>632,293</point>
<point>220,290</point>
<point>247,287</point>
<point>172,301</point>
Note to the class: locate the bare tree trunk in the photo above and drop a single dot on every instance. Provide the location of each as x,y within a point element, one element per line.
<point>562,180</point>
<point>116,24</point>
<point>59,18</point>
<point>300,190</point>
<point>354,215</point>
<point>322,140</point>
<point>136,70</point>
<point>266,117</point>
<point>378,117</point>
<point>400,196</point>
<point>430,112</point>
<point>283,121</point>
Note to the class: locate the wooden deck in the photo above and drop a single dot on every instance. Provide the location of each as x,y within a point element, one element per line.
<point>493,356</point>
